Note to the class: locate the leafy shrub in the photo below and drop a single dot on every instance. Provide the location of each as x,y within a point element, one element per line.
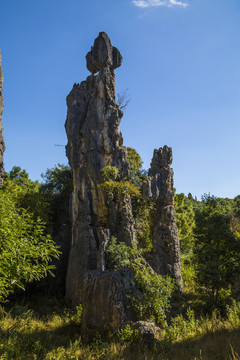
<point>154,292</point>
<point>152,298</point>
<point>110,173</point>
<point>126,334</point>
<point>118,255</point>
<point>26,250</point>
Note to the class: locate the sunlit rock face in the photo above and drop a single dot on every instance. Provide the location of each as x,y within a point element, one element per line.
<point>95,141</point>
<point>159,189</point>
<point>2,144</point>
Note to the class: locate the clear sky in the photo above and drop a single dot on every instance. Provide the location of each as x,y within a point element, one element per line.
<point>181,66</point>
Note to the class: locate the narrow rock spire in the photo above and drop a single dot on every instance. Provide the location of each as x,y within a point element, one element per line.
<point>159,189</point>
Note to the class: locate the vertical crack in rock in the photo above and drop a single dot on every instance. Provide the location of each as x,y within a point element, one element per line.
<point>2,144</point>
<point>159,188</point>
<point>95,141</point>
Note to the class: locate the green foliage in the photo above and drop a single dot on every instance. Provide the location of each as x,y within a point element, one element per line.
<point>118,255</point>
<point>183,327</point>
<point>142,210</point>
<point>57,180</point>
<point>116,189</point>
<point>137,175</point>
<point>126,334</point>
<point>236,206</point>
<point>189,276</point>
<point>233,313</point>
<point>185,221</point>
<point>152,300</point>
<point>20,177</point>
<point>56,189</point>
<point>216,250</point>
<point>26,250</point>
<point>26,193</point>
<point>27,334</point>
<point>110,173</point>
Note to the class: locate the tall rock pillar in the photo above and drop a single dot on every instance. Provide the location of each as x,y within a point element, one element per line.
<point>2,144</point>
<point>94,141</point>
<point>159,188</point>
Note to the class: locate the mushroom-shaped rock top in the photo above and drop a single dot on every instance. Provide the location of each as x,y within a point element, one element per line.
<point>103,54</point>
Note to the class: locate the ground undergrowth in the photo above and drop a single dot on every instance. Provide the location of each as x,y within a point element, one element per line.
<point>44,329</point>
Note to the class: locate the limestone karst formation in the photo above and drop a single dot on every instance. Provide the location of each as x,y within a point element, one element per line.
<point>95,141</point>
<point>2,144</point>
<point>159,188</point>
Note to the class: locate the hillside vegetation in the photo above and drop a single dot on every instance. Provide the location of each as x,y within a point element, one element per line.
<point>201,323</point>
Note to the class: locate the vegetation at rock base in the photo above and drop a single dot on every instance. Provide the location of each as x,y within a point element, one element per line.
<point>203,323</point>
<point>44,329</point>
<point>26,249</point>
<point>152,300</point>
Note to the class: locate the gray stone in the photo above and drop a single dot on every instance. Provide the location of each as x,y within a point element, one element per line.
<point>159,188</point>
<point>2,144</point>
<point>103,54</point>
<point>148,332</point>
<point>106,301</point>
<point>94,141</point>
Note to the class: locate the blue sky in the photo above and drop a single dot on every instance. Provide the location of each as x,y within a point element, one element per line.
<point>181,66</point>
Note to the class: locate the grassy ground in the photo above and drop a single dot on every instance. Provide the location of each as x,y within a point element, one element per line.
<point>45,329</point>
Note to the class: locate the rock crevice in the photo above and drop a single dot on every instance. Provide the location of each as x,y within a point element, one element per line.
<point>94,142</point>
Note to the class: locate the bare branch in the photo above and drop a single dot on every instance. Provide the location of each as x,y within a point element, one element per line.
<point>123,99</point>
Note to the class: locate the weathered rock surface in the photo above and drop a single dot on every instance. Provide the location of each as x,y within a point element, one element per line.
<point>106,301</point>
<point>103,54</point>
<point>2,144</point>
<point>159,188</point>
<point>148,332</point>
<point>94,141</point>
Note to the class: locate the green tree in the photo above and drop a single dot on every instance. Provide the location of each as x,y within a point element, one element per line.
<point>26,251</point>
<point>137,174</point>
<point>56,189</point>
<point>185,221</point>
<point>216,250</point>
<point>27,193</point>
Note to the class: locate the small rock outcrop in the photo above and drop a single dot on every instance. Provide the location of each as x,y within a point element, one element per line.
<point>2,144</point>
<point>94,142</point>
<point>159,188</point>
<point>148,332</point>
<point>106,301</point>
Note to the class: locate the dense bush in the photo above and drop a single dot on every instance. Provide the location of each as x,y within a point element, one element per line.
<point>26,250</point>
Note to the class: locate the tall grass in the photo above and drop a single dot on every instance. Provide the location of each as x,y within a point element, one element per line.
<point>29,333</point>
